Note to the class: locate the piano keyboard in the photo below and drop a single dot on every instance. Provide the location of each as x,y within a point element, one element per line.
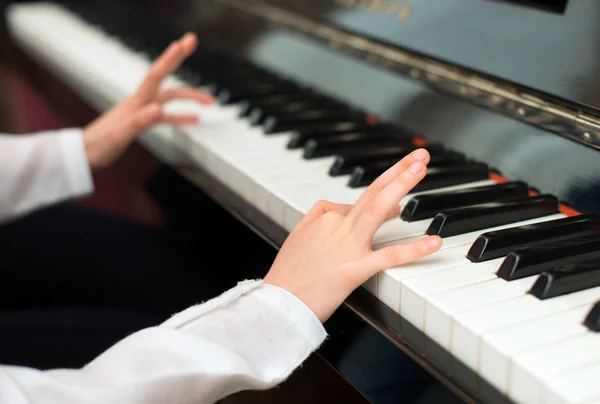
<point>512,293</point>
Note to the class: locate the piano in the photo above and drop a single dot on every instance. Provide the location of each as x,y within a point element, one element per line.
<point>317,97</point>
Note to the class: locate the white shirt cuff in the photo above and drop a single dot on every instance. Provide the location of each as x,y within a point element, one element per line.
<point>294,309</point>
<point>277,299</point>
<point>76,162</point>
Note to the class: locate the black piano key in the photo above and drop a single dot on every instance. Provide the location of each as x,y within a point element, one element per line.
<point>211,69</point>
<point>292,101</point>
<point>258,86</point>
<point>329,129</point>
<point>426,206</point>
<point>465,220</point>
<point>499,243</point>
<point>437,177</point>
<point>441,158</point>
<point>592,320</point>
<point>534,260</point>
<point>243,82</point>
<point>202,61</point>
<point>258,114</point>
<point>246,83</point>
<point>385,158</point>
<point>213,81</point>
<point>295,120</point>
<point>233,95</point>
<point>567,279</point>
<point>349,142</point>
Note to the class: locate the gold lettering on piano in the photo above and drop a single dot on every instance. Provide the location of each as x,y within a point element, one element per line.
<point>405,13</point>
<point>399,9</point>
<point>395,8</point>
<point>378,6</point>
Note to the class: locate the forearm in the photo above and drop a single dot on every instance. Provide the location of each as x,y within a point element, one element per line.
<point>252,337</point>
<point>41,169</point>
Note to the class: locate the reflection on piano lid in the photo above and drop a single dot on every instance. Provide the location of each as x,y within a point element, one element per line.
<point>318,97</point>
<point>555,6</point>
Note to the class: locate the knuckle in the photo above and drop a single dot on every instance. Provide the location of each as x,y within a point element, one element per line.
<point>331,219</point>
<point>132,101</point>
<point>140,121</point>
<point>391,256</point>
<point>165,94</point>
<point>408,179</point>
<point>321,204</point>
<point>153,74</point>
<point>374,207</point>
<point>425,247</point>
<point>374,189</point>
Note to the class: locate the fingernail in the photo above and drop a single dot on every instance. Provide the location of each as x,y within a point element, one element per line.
<point>416,167</point>
<point>420,154</point>
<point>434,241</point>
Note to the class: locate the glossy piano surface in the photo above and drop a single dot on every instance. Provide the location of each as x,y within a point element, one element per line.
<point>555,162</point>
<point>549,46</point>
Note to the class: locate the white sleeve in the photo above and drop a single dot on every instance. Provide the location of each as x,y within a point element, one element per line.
<point>251,337</point>
<point>37,170</point>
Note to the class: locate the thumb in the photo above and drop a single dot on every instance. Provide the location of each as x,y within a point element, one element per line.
<point>399,254</point>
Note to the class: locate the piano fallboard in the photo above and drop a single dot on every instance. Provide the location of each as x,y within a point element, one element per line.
<point>512,142</point>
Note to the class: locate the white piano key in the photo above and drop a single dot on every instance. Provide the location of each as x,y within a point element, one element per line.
<point>500,346</point>
<point>294,209</point>
<point>549,363</point>
<point>415,289</point>
<point>371,285</point>
<point>471,324</point>
<point>389,281</point>
<point>574,386</point>
<point>452,253</point>
<point>303,176</point>
<point>333,189</point>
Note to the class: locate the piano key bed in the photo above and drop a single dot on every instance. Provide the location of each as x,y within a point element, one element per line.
<point>508,307</point>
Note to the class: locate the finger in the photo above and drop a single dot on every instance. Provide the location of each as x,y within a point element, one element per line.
<point>400,254</point>
<point>165,65</point>
<point>319,209</point>
<point>179,119</point>
<point>385,179</point>
<point>134,124</point>
<point>375,213</point>
<point>323,207</point>
<point>185,93</point>
<point>189,42</point>
<point>394,212</point>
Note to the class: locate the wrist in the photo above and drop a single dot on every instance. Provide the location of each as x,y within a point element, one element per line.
<point>89,147</point>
